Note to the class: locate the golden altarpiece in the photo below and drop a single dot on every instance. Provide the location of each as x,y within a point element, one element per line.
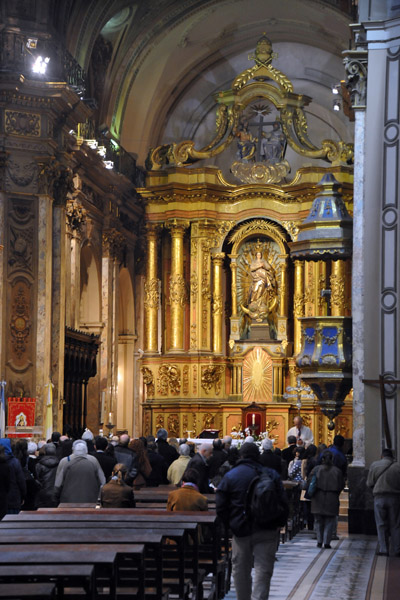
<point>225,291</point>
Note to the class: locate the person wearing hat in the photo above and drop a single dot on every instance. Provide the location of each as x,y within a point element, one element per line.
<point>88,436</point>
<point>17,485</point>
<point>46,469</point>
<point>79,476</point>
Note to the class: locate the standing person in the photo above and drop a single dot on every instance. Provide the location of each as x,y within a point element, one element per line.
<point>250,543</point>
<point>268,458</point>
<point>288,453</point>
<point>200,463</point>
<point>79,476</point>
<point>217,459</point>
<point>325,501</point>
<point>116,493</point>
<point>124,454</point>
<point>46,470</point>
<point>4,482</point>
<point>17,490</point>
<point>301,432</point>
<point>107,462</point>
<point>384,479</point>
<point>295,471</point>
<point>169,453</point>
<point>158,475</point>
<point>142,465</point>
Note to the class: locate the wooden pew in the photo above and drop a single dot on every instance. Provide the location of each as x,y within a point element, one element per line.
<point>71,576</point>
<point>27,591</point>
<point>105,558</point>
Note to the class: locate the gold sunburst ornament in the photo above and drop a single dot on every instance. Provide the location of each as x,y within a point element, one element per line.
<point>257,376</point>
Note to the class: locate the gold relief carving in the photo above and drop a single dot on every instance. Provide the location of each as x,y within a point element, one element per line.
<point>22,124</point>
<point>20,323</point>
<point>342,426</point>
<point>159,422</point>
<point>270,426</point>
<point>208,421</point>
<point>173,425</point>
<point>194,426</point>
<point>169,380</point>
<point>282,328</point>
<point>217,304</point>
<point>306,420</point>
<point>194,287</point>
<point>211,376</point>
<point>75,215</point>
<point>151,293</point>
<point>185,380</point>
<point>148,380</point>
<point>193,335</point>
<point>291,228</point>
<point>185,424</point>
<point>231,344</point>
<point>193,248</point>
<point>223,227</point>
<point>257,226</point>
<point>113,243</point>
<point>177,290</point>
<point>147,423</point>
<point>259,172</point>
<point>321,286</point>
<point>338,296</point>
<point>298,305</point>
<point>194,379</point>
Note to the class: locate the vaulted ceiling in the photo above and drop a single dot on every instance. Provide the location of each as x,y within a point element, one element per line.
<point>153,52</point>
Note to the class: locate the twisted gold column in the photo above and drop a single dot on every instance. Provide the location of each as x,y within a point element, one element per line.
<point>151,293</point>
<point>298,302</point>
<point>217,307</point>
<point>177,290</point>
<point>338,292</point>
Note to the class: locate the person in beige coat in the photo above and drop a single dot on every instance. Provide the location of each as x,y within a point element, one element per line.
<point>178,467</point>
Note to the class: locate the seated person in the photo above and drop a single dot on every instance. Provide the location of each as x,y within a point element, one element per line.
<point>116,493</point>
<point>187,497</point>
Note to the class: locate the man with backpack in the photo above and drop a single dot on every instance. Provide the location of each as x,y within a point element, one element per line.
<point>251,501</point>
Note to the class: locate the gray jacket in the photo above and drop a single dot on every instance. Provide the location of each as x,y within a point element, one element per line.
<point>330,483</point>
<point>79,479</point>
<point>384,477</point>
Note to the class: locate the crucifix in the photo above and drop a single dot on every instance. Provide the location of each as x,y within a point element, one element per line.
<point>301,392</point>
<point>260,124</point>
<point>381,381</point>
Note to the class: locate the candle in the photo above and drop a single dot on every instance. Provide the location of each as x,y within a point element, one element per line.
<point>110,417</point>
<point>253,419</point>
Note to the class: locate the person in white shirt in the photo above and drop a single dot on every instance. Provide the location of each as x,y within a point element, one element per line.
<point>301,432</point>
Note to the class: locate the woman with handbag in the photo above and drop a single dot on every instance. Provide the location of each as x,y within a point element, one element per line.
<point>329,482</point>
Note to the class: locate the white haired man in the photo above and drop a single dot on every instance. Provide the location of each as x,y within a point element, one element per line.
<point>178,467</point>
<point>200,463</point>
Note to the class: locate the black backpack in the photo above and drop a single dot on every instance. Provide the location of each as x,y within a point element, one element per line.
<point>263,505</point>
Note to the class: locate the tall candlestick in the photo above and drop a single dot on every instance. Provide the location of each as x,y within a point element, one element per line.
<point>253,419</point>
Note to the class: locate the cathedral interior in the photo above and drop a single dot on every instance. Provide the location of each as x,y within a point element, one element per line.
<point>199,220</point>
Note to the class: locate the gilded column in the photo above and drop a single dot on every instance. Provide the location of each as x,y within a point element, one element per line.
<point>177,288</point>
<point>233,258</point>
<point>284,287</point>
<point>338,297</point>
<point>320,302</point>
<point>194,288</point>
<point>217,307</point>
<point>151,292</point>
<point>298,302</point>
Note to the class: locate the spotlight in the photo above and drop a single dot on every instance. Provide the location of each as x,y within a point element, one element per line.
<point>336,105</point>
<point>109,164</point>
<point>335,89</point>
<point>40,65</point>
<point>102,150</point>
<point>31,43</point>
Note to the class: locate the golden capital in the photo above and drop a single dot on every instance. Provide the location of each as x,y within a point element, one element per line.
<point>176,227</point>
<point>218,257</point>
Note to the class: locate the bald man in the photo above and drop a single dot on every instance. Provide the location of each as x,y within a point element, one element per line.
<point>303,434</point>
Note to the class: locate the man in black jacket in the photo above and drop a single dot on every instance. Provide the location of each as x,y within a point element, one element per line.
<point>250,542</point>
<point>107,462</point>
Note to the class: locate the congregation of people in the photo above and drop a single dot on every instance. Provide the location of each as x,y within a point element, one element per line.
<point>108,472</point>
